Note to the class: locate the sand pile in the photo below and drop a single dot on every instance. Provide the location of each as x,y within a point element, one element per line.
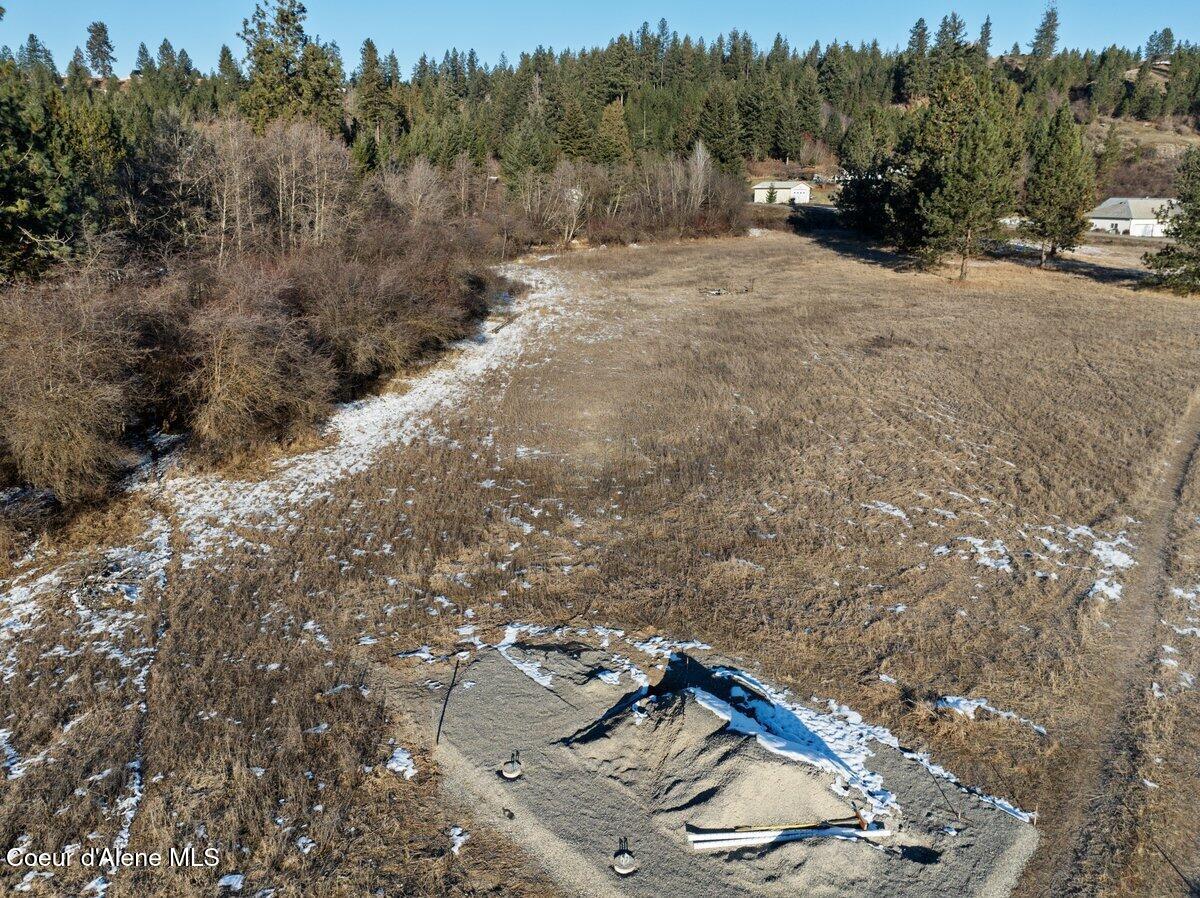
<point>612,750</point>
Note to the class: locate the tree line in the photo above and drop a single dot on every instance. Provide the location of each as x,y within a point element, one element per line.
<point>85,149</point>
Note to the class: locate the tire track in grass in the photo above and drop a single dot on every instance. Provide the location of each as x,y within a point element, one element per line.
<point>1108,810</point>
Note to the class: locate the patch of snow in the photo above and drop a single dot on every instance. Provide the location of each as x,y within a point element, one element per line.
<point>661,647</point>
<point>994,554</point>
<point>837,741</point>
<point>458,838</point>
<point>1105,588</point>
<point>401,763</point>
<point>1111,556</point>
<point>968,706</point>
<point>886,508</point>
<point>531,669</point>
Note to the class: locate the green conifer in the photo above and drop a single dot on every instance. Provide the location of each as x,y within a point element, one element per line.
<point>613,146</point>
<point>1059,188</point>
<point>1178,265</point>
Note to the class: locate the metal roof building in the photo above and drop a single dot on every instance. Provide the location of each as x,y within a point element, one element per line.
<point>1135,216</point>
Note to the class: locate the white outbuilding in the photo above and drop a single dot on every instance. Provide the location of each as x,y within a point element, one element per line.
<point>795,192</point>
<point>1134,216</point>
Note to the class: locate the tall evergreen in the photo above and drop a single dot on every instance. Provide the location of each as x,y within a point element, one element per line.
<point>1177,265</point>
<point>100,50</point>
<point>1045,39</point>
<point>612,137</point>
<point>808,102</point>
<point>573,132</point>
<point>371,100</point>
<point>951,36</point>
<point>528,147</point>
<point>229,80</point>
<point>719,125</point>
<point>959,168</point>
<point>39,189</point>
<point>985,38</point>
<point>319,79</point>
<point>912,73</point>
<point>79,78</point>
<point>1059,188</point>
<point>274,37</point>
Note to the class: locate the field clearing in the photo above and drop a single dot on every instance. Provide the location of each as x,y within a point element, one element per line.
<point>923,500</point>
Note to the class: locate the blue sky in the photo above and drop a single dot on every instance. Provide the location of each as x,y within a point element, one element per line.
<point>491,26</point>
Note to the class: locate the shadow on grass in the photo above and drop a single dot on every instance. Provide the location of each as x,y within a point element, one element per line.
<point>1110,275</point>
<point>822,225</point>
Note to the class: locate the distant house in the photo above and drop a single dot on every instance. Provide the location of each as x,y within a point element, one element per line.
<point>1135,216</point>
<point>785,192</point>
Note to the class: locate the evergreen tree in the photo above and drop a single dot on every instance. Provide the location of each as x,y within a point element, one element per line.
<point>36,61</point>
<point>1107,155</point>
<point>757,111</point>
<point>79,79</point>
<point>954,175</point>
<point>319,79</point>
<point>719,126</point>
<point>1178,265</point>
<point>371,100</point>
<point>1060,186</point>
<point>833,77</point>
<point>573,131</point>
<point>612,137</point>
<point>1160,44</point>
<point>808,102</point>
<point>229,80</point>
<point>100,50</point>
<point>365,152</point>
<point>912,73</point>
<point>985,38</point>
<point>857,152</point>
<point>39,190</point>
<point>834,132</point>
<point>527,148</point>
<point>951,36</point>
<point>788,139</point>
<point>1045,39</point>
<point>274,37</point>
<point>145,62</point>
<point>1145,102</point>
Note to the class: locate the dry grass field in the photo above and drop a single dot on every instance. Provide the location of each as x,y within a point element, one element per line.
<point>872,485</point>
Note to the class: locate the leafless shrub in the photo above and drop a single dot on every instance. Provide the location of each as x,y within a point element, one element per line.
<point>313,186</point>
<point>290,187</point>
<point>64,388</point>
<point>236,188</point>
<point>418,191</point>
<point>567,201</point>
<point>252,377</point>
<point>699,177</point>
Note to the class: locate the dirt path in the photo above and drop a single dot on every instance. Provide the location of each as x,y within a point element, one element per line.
<point>1106,830</point>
